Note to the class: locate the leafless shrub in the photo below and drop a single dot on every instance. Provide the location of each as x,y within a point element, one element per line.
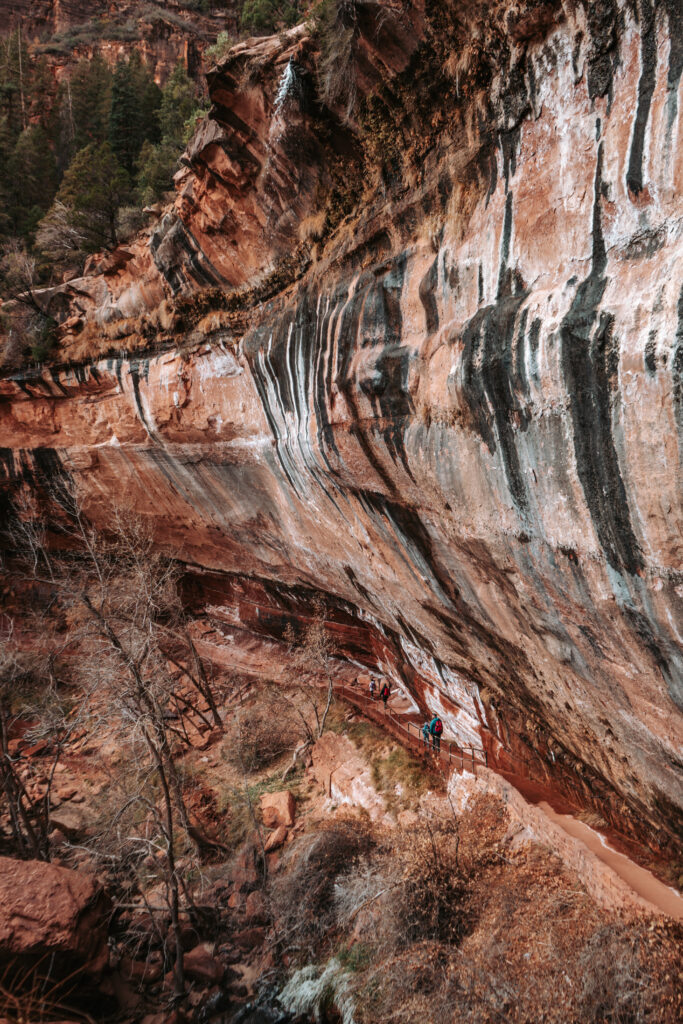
<point>120,598</point>
<point>309,660</point>
<point>28,824</point>
<point>303,895</point>
<point>12,344</point>
<point>30,693</point>
<point>361,896</point>
<point>602,978</point>
<point>26,326</point>
<point>615,986</point>
<point>130,220</point>
<point>59,239</point>
<point>458,924</point>
<point>413,890</point>
<point>260,735</point>
<point>338,29</point>
<point>18,274</point>
<point>441,922</point>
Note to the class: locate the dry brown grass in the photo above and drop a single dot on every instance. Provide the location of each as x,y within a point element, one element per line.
<point>96,341</point>
<point>302,895</point>
<point>311,228</point>
<point>29,995</point>
<point>445,922</point>
<point>260,735</point>
<point>532,946</point>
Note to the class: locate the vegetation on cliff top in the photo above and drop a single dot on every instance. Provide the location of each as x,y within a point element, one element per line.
<point>43,128</point>
<point>76,166</point>
<point>54,208</point>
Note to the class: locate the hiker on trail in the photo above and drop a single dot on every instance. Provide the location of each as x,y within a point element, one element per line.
<point>373,687</point>
<point>425,734</point>
<point>384,693</point>
<point>436,728</point>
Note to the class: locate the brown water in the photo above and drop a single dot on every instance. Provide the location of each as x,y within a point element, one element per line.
<point>643,882</point>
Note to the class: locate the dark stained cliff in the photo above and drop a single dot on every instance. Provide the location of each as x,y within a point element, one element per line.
<point>424,355</point>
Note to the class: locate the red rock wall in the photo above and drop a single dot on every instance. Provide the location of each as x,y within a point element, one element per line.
<point>459,412</point>
<point>163,33</point>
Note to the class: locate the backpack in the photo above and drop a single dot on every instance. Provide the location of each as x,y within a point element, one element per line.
<point>438,727</point>
<point>385,691</point>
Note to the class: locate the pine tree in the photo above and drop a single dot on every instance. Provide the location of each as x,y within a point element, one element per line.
<point>149,99</point>
<point>178,103</point>
<point>41,96</point>
<point>15,74</point>
<point>135,100</point>
<point>94,188</point>
<point>157,163</point>
<point>86,104</point>
<point>6,147</point>
<point>31,179</point>
<point>266,15</point>
<point>123,117</point>
<point>28,174</point>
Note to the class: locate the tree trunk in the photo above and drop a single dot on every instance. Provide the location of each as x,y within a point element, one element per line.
<point>330,695</point>
<point>205,688</point>
<point>24,832</point>
<point>171,873</point>
<point>21,80</point>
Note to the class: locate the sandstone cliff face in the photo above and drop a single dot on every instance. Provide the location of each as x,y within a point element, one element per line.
<point>163,33</point>
<point>431,364</point>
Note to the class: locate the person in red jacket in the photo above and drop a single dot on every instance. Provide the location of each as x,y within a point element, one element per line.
<point>385,692</point>
<point>436,728</point>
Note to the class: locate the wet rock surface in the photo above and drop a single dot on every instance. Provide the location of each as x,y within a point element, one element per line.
<point>456,411</point>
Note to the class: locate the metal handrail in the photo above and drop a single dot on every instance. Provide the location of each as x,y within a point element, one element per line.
<point>447,751</point>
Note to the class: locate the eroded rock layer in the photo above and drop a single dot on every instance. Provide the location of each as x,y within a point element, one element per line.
<point>64,31</point>
<point>428,360</point>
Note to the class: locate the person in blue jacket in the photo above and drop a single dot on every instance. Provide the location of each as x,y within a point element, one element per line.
<point>436,728</point>
<point>425,733</point>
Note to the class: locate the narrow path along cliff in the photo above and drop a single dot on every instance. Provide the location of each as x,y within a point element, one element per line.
<point>588,846</point>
